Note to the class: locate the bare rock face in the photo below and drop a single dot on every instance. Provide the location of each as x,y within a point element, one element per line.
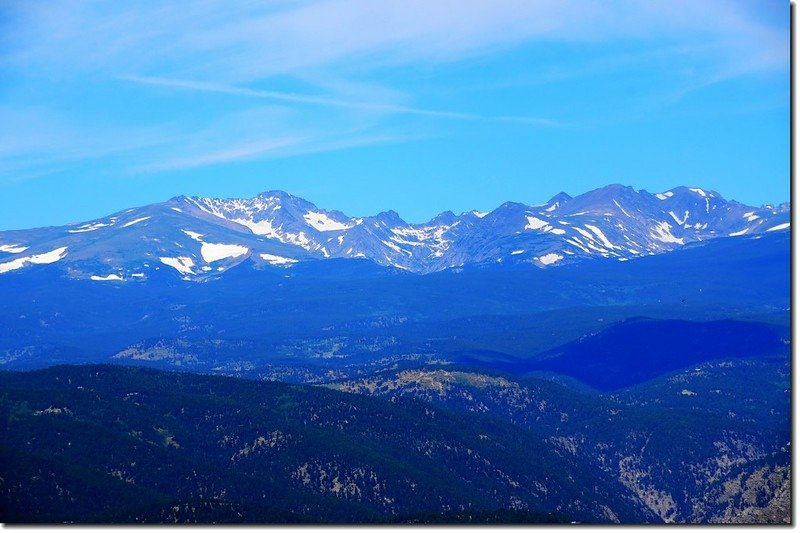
<point>759,497</point>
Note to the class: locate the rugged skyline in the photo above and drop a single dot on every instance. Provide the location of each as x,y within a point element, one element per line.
<point>205,237</point>
<point>418,107</point>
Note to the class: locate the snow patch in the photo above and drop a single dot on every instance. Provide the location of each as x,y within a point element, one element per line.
<point>664,195</point>
<point>110,277</point>
<point>88,227</point>
<point>12,248</point>
<point>132,222</point>
<point>557,231</point>
<point>480,214</point>
<point>206,209</point>
<point>737,233</point>
<point>398,240</point>
<point>53,256</point>
<point>430,236</point>
<point>262,227</point>
<point>678,220</point>
<point>701,192</point>
<point>591,240</point>
<point>194,235</point>
<point>621,209</point>
<point>662,232</point>
<point>780,227</point>
<point>299,239</point>
<point>277,260</point>
<point>322,222</point>
<point>395,248</point>
<point>576,242</point>
<point>600,236</point>
<point>517,252</point>
<point>549,259</point>
<point>214,252</point>
<point>181,264</point>
<point>535,223</point>
<point>38,259</point>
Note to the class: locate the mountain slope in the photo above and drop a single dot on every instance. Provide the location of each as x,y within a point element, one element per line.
<point>149,442</point>
<point>638,350</point>
<point>358,311</point>
<point>197,238</point>
<point>704,444</point>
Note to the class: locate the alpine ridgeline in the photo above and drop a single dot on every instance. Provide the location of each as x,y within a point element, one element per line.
<point>197,238</point>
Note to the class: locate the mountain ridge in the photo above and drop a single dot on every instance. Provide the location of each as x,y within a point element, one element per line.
<point>199,237</point>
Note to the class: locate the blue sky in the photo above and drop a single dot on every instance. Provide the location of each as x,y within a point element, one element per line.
<point>419,106</point>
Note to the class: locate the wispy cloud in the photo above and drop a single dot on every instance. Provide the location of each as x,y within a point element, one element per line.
<point>354,64</point>
<point>334,102</point>
<point>242,42</point>
<point>241,152</point>
<point>36,141</point>
<point>226,47</point>
<point>270,149</point>
<point>265,132</point>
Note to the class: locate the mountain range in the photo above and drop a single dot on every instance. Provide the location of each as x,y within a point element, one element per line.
<point>199,238</point>
<point>618,356</point>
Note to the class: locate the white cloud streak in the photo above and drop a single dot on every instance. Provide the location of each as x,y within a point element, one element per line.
<point>224,47</point>
<point>241,42</point>
<point>249,150</point>
<point>269,149</point>
<point>264,132</point>
<point>334,102</point>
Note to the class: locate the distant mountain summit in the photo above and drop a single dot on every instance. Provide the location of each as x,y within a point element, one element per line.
<point>199,238</point>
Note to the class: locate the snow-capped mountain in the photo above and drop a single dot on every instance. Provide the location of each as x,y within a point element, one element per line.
<point>199,238</point>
